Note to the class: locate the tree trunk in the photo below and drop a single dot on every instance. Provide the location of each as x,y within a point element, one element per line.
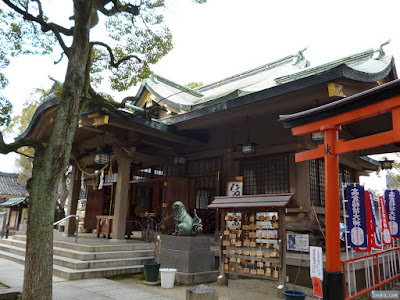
<point>51,162</point>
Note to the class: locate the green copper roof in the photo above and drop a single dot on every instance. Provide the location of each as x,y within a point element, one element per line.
<point>13,202</point>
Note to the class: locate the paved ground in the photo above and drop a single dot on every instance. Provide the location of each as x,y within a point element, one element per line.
<point>131,287</point>
<point>12,274</point>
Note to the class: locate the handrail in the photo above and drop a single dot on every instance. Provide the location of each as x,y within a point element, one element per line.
<point>77,224</point>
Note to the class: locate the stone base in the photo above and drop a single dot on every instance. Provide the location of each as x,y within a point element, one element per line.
<point>201,292</point>
<point>188,261</point>
<point>196,278</point>
<point>191,256</point>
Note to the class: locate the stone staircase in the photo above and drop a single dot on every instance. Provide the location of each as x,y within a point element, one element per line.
<point>79,261</point>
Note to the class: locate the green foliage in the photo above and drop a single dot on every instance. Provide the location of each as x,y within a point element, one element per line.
<point>144,35</point>
<point>18,36</point>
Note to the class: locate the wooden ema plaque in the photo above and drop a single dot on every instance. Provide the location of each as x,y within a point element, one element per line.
<point>251,245</point>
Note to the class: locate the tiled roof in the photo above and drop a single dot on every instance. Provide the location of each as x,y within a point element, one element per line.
<point>366,65</point>
<point>178,96</point>
<point>10,186</point>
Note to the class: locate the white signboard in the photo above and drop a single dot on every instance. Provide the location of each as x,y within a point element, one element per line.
<point>234,188</point>
<point>316,264</point>
<point>297,242</point>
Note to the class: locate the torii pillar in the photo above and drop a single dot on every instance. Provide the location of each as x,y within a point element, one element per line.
<point>334,285</point>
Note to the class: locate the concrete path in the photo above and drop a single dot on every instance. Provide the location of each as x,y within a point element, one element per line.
<point>12,275</point>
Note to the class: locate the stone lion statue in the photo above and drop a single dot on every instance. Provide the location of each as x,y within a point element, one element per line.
<point>184,224</point>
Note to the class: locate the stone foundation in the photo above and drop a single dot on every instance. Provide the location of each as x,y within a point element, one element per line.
<point>191,256</point>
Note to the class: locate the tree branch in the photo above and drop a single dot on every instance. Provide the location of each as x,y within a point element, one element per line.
<point>114,63</point>
<point>55,28</point>
<point>13,147</point>
<point>118,7</point>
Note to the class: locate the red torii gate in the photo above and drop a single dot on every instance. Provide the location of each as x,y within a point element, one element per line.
<point>332,147</point>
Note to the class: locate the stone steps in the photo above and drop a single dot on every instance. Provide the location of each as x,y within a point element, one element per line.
<point>76,261</point>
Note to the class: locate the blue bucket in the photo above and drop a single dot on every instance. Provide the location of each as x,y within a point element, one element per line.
<point>294,295</point>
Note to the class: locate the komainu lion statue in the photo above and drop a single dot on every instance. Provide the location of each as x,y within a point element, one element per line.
<point>184,224</point>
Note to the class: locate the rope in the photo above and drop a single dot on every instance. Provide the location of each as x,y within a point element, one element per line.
<point>94,174</point>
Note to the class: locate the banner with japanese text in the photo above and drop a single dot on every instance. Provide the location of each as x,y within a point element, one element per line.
<point>393,212</point>
<point>372,230</point>
<point>386,236</point>
<point>376,242</point>
<point>356,222</point>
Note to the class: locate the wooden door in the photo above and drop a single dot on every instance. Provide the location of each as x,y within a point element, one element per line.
<point>176,190</point>
<point>94,207</point>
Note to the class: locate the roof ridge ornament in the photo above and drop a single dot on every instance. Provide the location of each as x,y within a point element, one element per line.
<point>299,56</point>
<point>378,52</point>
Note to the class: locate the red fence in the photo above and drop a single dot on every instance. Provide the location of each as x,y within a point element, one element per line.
<point>380,267</point>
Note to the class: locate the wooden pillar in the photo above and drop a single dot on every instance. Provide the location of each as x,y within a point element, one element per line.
<point>282,246</point>
<point>73,197</point>
<point>332,203</point>
<point>121,198</point>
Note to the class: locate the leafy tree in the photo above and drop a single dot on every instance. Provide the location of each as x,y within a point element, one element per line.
<point>137,38</point>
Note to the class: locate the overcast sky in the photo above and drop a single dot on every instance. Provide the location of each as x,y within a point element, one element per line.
<point>225,37</point>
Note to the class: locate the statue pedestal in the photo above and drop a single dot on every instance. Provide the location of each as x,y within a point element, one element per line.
<point>191,256</point>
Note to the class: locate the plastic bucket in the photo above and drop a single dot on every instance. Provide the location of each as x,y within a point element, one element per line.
<point>294,295</point>
<point>167,278</point>
<point>151,271</point>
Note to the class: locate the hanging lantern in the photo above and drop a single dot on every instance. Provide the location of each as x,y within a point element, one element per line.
<point>101,158</point>
<point>248,148</point>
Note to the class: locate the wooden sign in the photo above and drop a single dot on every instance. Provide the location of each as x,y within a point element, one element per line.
<point>252,244</point>
<point>259,254</point>
<point>267,255</point>
<point>253,272</point>
<point>226,243</point>
<point>231,252</point>
<point>226,232</point>
<point>260,271</point>
<point>238,244</point>
<point>234,186</point>
<point>246,270</point>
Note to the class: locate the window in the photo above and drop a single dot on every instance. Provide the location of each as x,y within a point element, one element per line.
<point>268,175</point>
<point>203,166</point>
<point>317,180</point>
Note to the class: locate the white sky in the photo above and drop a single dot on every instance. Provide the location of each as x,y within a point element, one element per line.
<point>225,37</point>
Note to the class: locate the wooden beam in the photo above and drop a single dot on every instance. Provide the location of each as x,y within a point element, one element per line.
<point>350,116</point>
<point>126,125</point>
